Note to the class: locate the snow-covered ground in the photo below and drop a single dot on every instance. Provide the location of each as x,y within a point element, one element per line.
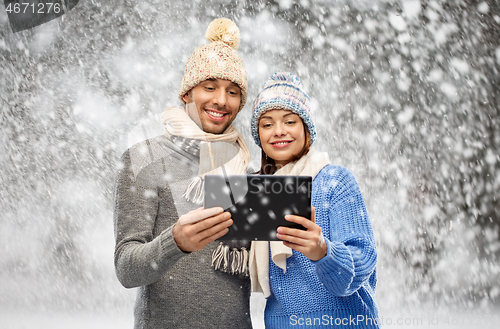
<point>12,319</point>
<point>414,319</point>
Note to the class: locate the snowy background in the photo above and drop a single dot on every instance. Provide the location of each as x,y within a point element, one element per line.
<point>405,94</point>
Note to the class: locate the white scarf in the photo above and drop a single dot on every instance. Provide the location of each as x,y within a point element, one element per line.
<point>177,122</point>
<point>309,165</point>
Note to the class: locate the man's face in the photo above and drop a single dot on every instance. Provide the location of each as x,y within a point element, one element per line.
<point>217,102</point>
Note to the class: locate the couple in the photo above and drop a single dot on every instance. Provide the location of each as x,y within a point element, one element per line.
<point>165,244</point>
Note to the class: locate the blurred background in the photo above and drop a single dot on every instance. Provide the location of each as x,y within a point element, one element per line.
<point>405,94</point>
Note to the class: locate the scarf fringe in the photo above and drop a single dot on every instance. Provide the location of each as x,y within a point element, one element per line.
<point>233,261</point>
<point>194,192</point>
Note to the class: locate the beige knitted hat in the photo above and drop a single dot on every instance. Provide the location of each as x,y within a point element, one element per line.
<point>217,59</point>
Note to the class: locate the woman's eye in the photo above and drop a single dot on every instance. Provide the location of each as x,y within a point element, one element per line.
<point>291,122</point>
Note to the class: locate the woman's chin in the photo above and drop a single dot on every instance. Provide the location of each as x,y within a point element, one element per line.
<point>282,161</point>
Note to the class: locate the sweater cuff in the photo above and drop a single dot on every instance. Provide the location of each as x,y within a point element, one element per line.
<point>169,250</point>
<point>337,259</point>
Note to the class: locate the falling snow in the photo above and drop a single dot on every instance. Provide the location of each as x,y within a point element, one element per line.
<point>404,93</point>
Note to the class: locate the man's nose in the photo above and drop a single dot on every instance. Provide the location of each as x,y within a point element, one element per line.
<point>220,97</point>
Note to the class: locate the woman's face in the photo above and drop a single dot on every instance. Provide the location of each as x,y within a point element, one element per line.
<point>281,134</point>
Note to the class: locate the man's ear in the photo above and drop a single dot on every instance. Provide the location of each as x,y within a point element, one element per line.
<point>186,98</point>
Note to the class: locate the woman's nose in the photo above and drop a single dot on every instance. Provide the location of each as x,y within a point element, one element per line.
<point>279,130</point>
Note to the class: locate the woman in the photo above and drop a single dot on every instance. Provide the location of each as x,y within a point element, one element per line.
<point>324,276</point>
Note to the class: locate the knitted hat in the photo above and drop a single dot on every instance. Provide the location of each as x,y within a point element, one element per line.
<point>217,59</point>
<point>283,91</point>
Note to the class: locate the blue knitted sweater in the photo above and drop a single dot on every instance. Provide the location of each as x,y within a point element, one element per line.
<point>339,289</point>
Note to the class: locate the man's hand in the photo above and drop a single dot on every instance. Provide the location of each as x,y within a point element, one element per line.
<point>194,230</point>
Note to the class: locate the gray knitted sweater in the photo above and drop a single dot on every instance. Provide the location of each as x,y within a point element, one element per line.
<point>176,289</point>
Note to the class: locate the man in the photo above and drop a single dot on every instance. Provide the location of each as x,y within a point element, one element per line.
<point>165,244</point>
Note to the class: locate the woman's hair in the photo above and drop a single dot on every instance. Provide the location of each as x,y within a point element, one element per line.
<point>268,166</point>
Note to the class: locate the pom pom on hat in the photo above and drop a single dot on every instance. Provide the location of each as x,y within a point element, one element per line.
<point>217,59</point>
<point>225,30</point>
<point>282,91</point>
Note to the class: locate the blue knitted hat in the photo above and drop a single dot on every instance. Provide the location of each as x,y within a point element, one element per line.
<point>282,91</point>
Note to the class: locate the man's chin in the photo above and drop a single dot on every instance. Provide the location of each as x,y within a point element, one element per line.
<point>214,129</point>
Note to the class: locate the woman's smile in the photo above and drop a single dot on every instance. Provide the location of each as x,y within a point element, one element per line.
<point>281,144</point>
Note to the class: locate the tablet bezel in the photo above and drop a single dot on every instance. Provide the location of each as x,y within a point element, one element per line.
<point>264,228</point>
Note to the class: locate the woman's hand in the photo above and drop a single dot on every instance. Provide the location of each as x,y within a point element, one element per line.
<point>310,243</point>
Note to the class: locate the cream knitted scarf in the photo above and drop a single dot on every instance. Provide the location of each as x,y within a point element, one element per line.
<point>309,165</point>
<point>220,154</point>
<point>216,157</point>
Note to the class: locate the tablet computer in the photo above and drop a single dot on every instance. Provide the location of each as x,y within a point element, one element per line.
<point>258,203</point>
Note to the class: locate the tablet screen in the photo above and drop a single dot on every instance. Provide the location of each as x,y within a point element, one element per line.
<point>259,203</point>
